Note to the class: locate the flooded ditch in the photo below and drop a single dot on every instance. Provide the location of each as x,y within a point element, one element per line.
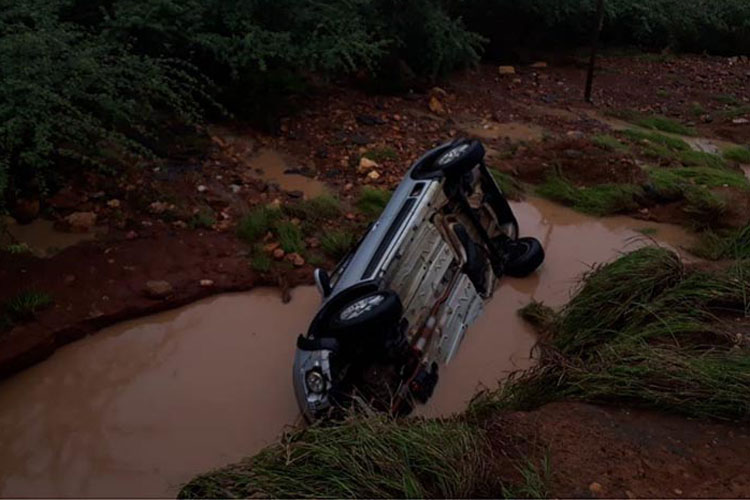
<point>140,408</point>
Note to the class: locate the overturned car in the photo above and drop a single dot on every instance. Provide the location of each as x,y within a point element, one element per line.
<point>398,305</point>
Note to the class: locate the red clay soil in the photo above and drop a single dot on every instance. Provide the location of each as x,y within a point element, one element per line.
<point>601,452</point>
<point>96,284</point>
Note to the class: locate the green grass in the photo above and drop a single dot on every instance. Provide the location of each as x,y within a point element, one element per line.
<point>608,142</point>
<point>671,143</point>
<point>727,99</point>
<point>259,260</point>
<point>738,154</point>
<point>697,110</point>
<point>643,331</point>
<point>509,185</point>
<point>257,223</point>
<point>24,305</point>
<point>673,183</point>
<point>372,201</point>
<point>664,124</point>
<point>730,244</point>
<point>701,159</point>
<point>290,236</point>
<point>536,480</point>
<point>736,112</point>
<point>17,248</point>
<point>381,154</point>
<point>337,243</point>
<point>647,231</point>
<point>317,209</point>
<point>371,457</point>
<point>203,219</point>
<point>604,199</point>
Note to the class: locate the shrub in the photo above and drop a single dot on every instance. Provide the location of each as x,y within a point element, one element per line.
<point>257,223</point>
<point>738,154</point>
<point>25,305</point>
<point>290,236</point>
<point>372,201</point>
<point>337,243</point>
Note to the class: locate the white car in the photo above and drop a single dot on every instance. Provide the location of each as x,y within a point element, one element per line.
<point>398,305</point>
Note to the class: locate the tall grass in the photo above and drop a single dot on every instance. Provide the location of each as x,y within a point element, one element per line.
<point>604,199</point>
<point>732,244</point>
<point>370,457</point>
<point>257,223</point>
<point>372,201</point>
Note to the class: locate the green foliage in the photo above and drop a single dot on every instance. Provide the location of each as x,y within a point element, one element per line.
<point>337,243</point>
<point>731,244</point>
<point>25,305</point>
<point>604,199</point>
<point>372,201</point>
<point>664,124</point>
<point>701,159</point>
<point>369,457</point>
<point>608,142</point>
<point>259,260</point>
<point>381,154</point>
<point>290,236</point>
<point>673,183</point>
<point>315,210</point>
<point>536,480</point>
<point>671,143</point>
<point>257,223</point>
<point>738,154</point>
<point>203,219</point>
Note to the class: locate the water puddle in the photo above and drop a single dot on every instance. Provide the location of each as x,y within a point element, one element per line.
<point>512,131</point>
<point>42,238</point>
<point>140,408</point>
<point>271,166</point>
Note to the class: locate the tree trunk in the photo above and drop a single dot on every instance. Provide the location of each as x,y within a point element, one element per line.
<point>594,46</point>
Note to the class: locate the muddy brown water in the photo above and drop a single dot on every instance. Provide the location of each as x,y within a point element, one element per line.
<point>43,238</point>
<point>142,407</point>
<point>272,166</point>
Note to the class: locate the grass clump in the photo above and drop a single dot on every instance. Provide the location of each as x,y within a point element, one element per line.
<point>673,183</point>
<point>316,209</point>
<point>372,201</point>
<point>17,248</point>
<point>732,244</point>
<point>672,143</point>
<point>645,331</point>
<point>372,457</point>
<point>203,219</point>
<point>260,260</point>
<point>509,185</point>
<point>728,99</point>
<point>337,243</point>
<point>604,199</point>
<point>536,480</point>
<point>25,305</point>
<point>381,154</point>
<point>608,142</point>
<point>701,159</point>
<point>290,237</point>
<point>657,122</point>
<point>257,223</point>
<point>738,154</point>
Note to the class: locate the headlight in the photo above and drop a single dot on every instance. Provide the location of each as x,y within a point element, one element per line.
<point>315,381</point>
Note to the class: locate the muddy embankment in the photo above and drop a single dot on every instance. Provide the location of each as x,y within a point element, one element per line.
<point>141,407</point>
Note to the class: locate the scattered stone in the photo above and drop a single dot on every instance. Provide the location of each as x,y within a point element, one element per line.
<point>539,64</point>
<point>235,188</point>
<point>366,164</point>
<point>506,70</point>
<point>595,488</point>
<point>113,203</point>
<point>374,175</point>
<point>629,494</point>
<point>270,247</point>
<point>158,289</point>
<point>439,91</point>
<point>312,242</point>
<point>436,106</point>
<point>180,224</point>
<point>740,121</point>
<point>64,199</point>
<point>296,259</point>
<point>158,207</point>
<point>350,216</point>
<point>348,187</point>
<point>81,222</point>
<point>207,283</point>
<point>296,194</point>
<point>69,279</point>
<point>278,254</point>
<point>202,189</point>
<point>131,235</point>
<point>677,491</point>
<point>369,120</point>
<point>360,140</point>
<point>575,134</point>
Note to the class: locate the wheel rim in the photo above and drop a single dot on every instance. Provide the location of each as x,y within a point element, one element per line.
<point>360,307</point>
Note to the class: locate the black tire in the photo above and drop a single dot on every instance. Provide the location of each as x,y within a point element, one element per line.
<point>524,256</point>
<point>381,316</point>
<point>460,158</point>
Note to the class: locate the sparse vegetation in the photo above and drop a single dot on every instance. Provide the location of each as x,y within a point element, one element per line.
<point>664,124</point>
<point>25,305</point>
<point>337,242</point>
<point>509,185</point>
<point>203,219</point>
<point>366,457</point>
<point>316,209</point>
<point>381,154</point>
<point>290,236</point>
<point>608,142</point>
<point>701,159</point>
<point>738,154</point>
<point>17,248</point>
<point>257,223</point>
<point>259,260</point>
<point>728,244</point>
<point>604,199</point>
<point>372,201</point>
<point>672,143</point>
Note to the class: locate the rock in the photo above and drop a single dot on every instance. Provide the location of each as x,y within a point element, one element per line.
<point>158,289</point>
<point>270,247</point>
<point>64,199</point>
<point>677,491</point>
<point>595,488</point>
<point>296,259</point>
<point>181,224</point>
<point>202,189</point>
<point>539,64</point>
<point>69,279</point>
<point>573,153</point>
<point>348,187</point>
<point>278,254</point>
<point>629,494</point>
<point>366,164</point>
<point>575,134</point>
<point>113,203</point>
<point>436,106</point>
<point>506,70</point>
<point>374,175</point>
<point>359,139</point>
<point>439,91</point>
<point>131,235</point>
<point>235,188</point>
<point>295,194</point>
<point>312,242</point>
<point>206,283</point>
<point>25,211</point>
<point>369,120</point>
<point>350,216</point>
<point>81,222</point>
<point>158,207</point>
<point>740,121</point>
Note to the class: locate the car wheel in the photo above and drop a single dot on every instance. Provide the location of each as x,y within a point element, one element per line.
<point>459,159</point>
<point>376,310</point>
<point>524,256</point>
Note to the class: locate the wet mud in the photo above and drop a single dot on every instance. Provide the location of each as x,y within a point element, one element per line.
<point>141,407</point>
<point>42,237</point>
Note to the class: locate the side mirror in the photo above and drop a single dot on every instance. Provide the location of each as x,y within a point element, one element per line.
<point>323,282</point>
